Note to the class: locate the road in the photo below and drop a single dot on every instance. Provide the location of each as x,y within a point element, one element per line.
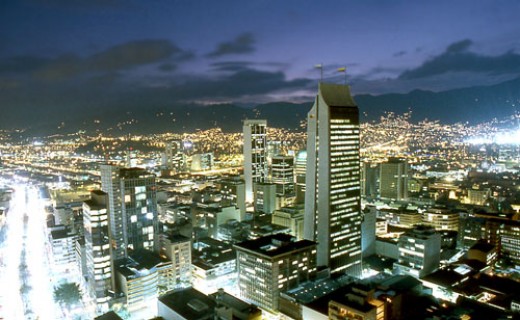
<point>27,283</point>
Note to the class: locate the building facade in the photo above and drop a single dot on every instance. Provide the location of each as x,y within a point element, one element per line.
<point>97,248</point>
<point>332,200</point>
<point>269,265</point>
<point>255,155</point>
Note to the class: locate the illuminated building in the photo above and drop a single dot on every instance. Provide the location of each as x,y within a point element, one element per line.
<point>393,179</point>
<point>290,217</point>
<point>332,199</point>
<point>202,162</point>
<point>419,251</point>
<point>191,304</point>
<point>441,219</point>
<point>264,197</point>
<point>177,249</point>
<point>174,158</point>
<point>63,242</point>
<point>255,154</point>
<point>478,197</point>
<point>142,277</point>
<point>213,265</point>
<point>132,207</point>
<point>359,303</point>
<point>270,265</point>
<point>369,177</point>
<point>233,191</point>
<point>505,234</point>
<point>300,167</point>
<point>97,248</point>
<point>483,252</point>
<point>282,174</point>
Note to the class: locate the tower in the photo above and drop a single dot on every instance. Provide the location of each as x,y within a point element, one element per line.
<point>393,179</point>
<point>255,154</point>
<point>332,200</point>
<point>132,204</point>
<point>97,248</point>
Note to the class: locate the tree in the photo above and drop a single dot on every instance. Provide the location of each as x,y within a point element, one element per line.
<point>67,294</point>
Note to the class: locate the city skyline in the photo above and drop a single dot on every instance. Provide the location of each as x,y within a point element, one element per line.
<point>55,55</point>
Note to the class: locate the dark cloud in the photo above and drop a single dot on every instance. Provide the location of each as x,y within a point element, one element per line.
<point>135,53</point>
<point>81,4</point>
<point>167,67</point>
<point>456,58</point>
<point>22,64</point>
<point>236,85</point>
<point>459,46</point>
<point>399,53</point>
<point>242,44</point>
<point>117,58</point>
<point>231,65</point>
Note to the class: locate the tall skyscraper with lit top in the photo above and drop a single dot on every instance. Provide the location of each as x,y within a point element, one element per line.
<point>255,155</point>
<point>332,199</point>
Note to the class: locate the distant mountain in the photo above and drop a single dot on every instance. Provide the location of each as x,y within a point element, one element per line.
<point>474,105</point>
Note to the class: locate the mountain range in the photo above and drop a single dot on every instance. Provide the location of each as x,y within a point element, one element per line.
<point>472,105</point>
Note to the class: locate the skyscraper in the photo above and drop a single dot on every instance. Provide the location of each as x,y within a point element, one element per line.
<point>393,179</point>
<point>255,154</point>
<point>97,248</point>
<point>332,200</point>
<point>132,208</point>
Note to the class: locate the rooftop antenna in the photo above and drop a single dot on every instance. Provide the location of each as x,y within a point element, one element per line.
<point>344,70</point>
<point>320,66</point>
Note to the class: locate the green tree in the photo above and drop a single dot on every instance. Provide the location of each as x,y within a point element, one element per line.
<point>67,294</point>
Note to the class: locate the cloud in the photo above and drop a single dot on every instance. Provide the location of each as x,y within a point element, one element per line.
<point>117,58</point>
<point>242,44</point>
<point>459,46</point>
<point>136,53</point>
<point>22,64</point>
<point>457,58</point>
<point>399,53</point>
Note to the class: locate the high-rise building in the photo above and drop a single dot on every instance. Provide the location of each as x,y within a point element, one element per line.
<point>332,200</point>
<point>255,154</point>
<point>393,179</point>
<point>272,264</point>
<point>369,179</point>
<point>97,248</point>
<point>177,249</point>
<point>132,206</point>
<point>282,174</point>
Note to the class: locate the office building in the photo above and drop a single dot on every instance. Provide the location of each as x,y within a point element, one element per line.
<point>97,248</point>
<point>332,199</point>
<point>291,217</point>
<point>177,249</point>
<point>255,155</point>
<point>419,251</point>
<point>441,219</point>
<point>270,265</point>
<point>369,180</point>
<point>233,190</point>
<point>282,174</point>
<point>393,179</point>
<point>132,208</point>
<point>264,197</point>
<point>142,277</point>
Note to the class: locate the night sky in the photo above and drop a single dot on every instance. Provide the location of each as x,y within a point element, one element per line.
<point>70,54</point>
